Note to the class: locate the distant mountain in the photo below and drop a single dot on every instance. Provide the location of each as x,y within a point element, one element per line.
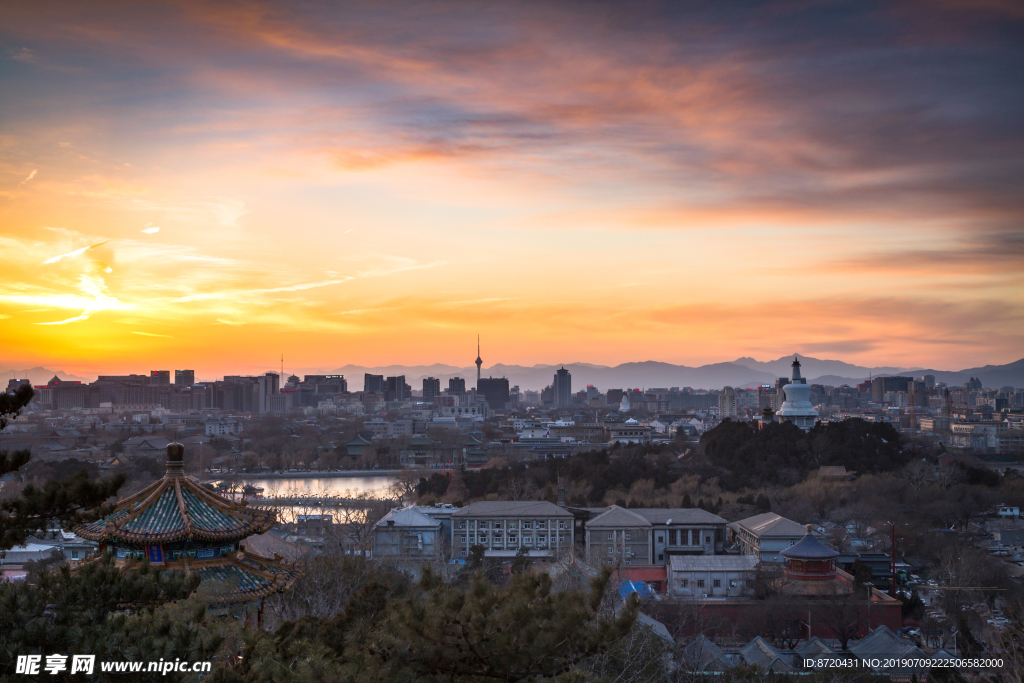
<point>39,375</point>
<point>813,367</point>
<point>646,374</point>
<point>745,372</point>
<point>991,376</point>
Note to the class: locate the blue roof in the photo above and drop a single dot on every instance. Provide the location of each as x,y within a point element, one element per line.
<point>639,587</point>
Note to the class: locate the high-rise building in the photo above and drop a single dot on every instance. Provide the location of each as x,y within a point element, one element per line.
<point>374,383</point>
<point>881,385</point>
<point>395,388</point>
<point>160,377</point>
<point>495,390</point>
<point>184,378</point>
<point>431,388</point>
<point>562,387</point>
<point>270,385</point>
<point>457,386</point>
<point>929,381</point>
<point>727,403</point>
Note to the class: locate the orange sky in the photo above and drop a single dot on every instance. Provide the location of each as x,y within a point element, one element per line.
<point>210,185</point>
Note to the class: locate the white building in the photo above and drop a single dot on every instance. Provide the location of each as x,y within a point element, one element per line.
<point>503,527</point>
<point>628,432</point>
<point>765,536</point>
<point>711,576</point>
<point>797,407</point>
<point>219,426</point>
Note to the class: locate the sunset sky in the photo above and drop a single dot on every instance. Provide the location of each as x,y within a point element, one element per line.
<point>209,185</point>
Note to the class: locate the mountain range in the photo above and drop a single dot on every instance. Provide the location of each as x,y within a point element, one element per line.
<point>743,372</point>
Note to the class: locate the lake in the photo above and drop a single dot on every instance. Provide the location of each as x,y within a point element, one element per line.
<point>346,487</point>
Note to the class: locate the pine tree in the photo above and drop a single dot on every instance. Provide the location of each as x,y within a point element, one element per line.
<point>522,632</point>
<point>687,503</point>
<point>67,502</point>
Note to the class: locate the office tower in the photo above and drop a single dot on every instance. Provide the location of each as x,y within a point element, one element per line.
<point>160,377</point>
<point>431,388</point>
<point>395,389</point>
<point>269,386</point>
<point>495,390</point>
<point>184,378</point>
<point>374,383</point>
<point>562,387</point>
<point>457,386</point>
<point>929,381</point>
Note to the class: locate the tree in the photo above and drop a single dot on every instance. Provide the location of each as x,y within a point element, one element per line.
<point>67,612</point>
<point>522,632</point>
<point>843,611</point>
<point>68,502</point>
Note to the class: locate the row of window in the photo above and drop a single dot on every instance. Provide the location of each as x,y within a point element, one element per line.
<point>716,583</point>
<point>512,524</point>
<point>512,540</point>
<point>675,536</point>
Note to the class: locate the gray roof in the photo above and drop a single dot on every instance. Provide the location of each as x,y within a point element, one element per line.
<point>513,508</point>
<point>617,517</point>
<point>679,516</point>
<point>408,517</point>
<point>814,646</point>
<point>704,655</point>
<point>759,653</point>
<point>770,524</point>
<point>881,643</point>
<point>713,563</point>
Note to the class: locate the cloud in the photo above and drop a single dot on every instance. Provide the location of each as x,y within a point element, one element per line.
<point>30,176</point>
<point>150,231</point>
<point>72,254</point>
<point>151,334</point>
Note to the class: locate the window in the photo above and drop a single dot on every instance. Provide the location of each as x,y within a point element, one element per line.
<point>661,538</point>
<point>686,583</point>
<point>718,583</point>
<point>629,535</point>
<point>462,525</point>
<point>527,525</point>
<point>673,537</point>
<point>661,558</point>
<point>700,583</point>
<point>74,554</point>
<point>609,550</point>
<point>732,583</point>
<point>542,525</point>
<point>497,525</point>
<point>707,539</point>
<point>610,535</point>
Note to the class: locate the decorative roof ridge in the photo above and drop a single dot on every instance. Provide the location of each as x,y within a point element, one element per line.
<point>183,508</point>
<point>149,502</point>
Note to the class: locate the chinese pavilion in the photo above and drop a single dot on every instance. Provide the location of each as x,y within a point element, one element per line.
<point>180,525</point>
<point>809,560</point>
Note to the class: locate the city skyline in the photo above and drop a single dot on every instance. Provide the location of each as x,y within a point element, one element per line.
<point>193,186</point>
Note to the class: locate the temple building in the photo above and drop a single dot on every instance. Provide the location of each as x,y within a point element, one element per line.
<point>178,524</point>
<point>797,407</point>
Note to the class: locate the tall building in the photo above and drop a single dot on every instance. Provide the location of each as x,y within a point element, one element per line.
<point>374,383</point>
<point>270,386</point>
<point>160,377</point>
<point>395,388</point>
<point>479,361</point>
<point>495,390</point>
<point>797,407</point>
<point>184,378</point>
<point>431,388</point>
<point>562,387</point>
<point>929,381</point>
<point>457,386</point>
<point>727,407</point>
<point>882,385</point>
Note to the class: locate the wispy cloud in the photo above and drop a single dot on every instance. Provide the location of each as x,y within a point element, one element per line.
<point>151,334</point>
<point>72,254</point>
<point>30,176</point>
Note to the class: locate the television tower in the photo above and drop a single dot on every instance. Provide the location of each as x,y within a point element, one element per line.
<point>479,361</point>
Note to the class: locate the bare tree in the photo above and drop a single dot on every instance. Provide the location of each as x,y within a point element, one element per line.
<point>842,610</point>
